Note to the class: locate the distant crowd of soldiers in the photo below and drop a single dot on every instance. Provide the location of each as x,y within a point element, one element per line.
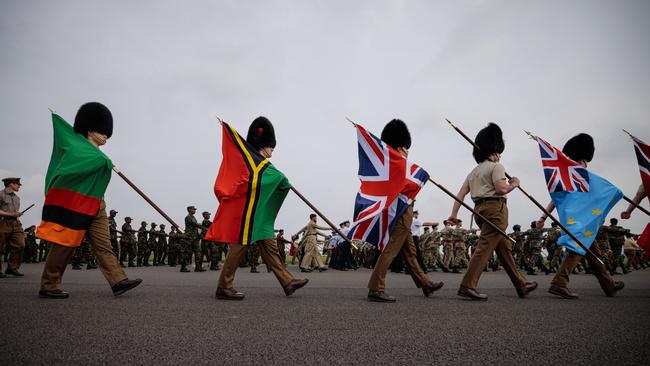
<point>448,249</point>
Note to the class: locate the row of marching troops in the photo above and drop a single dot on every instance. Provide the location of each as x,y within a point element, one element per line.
<point>449,249</point>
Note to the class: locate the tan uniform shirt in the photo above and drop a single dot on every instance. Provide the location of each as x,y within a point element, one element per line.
<point>481,179</point>
<point>9,202</point>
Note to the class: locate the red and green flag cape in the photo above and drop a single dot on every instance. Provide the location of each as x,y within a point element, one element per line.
<point>75,184</point>
<point>250,191</point>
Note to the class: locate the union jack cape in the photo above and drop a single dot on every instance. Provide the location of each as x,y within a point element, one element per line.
<point>389,184</point>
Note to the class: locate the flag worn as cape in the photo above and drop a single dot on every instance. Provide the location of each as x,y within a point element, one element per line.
<point>642,151</point>
<point>389,184</point>
<point>250,191</point>
<point>75,184</point>
<point>582,198</point>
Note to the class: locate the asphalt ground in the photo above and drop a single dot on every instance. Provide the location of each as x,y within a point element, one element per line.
<point>174,318</point>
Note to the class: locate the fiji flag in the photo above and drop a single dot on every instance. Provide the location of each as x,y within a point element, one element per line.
<point>582,198</point>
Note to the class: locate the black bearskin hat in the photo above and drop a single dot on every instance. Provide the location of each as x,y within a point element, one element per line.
<point>490,141</point>
<point>261,133</point>
<point>95,117</point>
<point>580,147</point>
<point>396,134</point>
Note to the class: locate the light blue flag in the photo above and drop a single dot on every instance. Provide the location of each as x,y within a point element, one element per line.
<point>584,212</point>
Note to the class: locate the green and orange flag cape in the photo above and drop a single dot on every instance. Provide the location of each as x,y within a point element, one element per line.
<point>75,184</point>
<point>250,191</point>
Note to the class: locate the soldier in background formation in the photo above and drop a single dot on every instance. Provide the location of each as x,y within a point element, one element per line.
<point>193,235</point>
<point>127,244</point>
<point>143,238</point>
<point>112,232</point>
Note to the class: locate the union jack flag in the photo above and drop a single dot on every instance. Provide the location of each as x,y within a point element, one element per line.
<point>389,184</point>
<point>562,174</point>
<point>643,158</point>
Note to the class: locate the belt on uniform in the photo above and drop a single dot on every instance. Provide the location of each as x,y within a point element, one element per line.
<point>486,199</point>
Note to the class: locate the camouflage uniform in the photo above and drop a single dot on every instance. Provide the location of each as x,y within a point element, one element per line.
<point>184,251</point>
<point>425,247</point>
<point>163,247</point>
<point>143,238</point>
<point>152,245</point>
<point>447,236</point>
<point>127,243</point>
<point>210,246</point>
<point>518,248</point>
<point>43,249</point>
<point>112,229</point>
<point>533,247</point>
<point>31,247</point>
<point>192,228</point>
<point>554,250</point>
<point>602,241</point>
<point>616,241</point>
<point>460,250</point>
<point>173,248</point>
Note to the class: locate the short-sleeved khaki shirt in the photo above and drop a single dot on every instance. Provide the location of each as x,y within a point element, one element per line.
<point>482,179</point>
<point>9,202</point>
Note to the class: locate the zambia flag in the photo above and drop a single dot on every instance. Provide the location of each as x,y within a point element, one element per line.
<point>75,184</point>
<point>250,191</point>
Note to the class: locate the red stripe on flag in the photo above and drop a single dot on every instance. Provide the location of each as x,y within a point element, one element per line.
<point>73,201</point>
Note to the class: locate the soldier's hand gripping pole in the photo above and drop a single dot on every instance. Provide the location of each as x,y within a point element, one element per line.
<point>471,210</point>
<point>306,201</point>
<point>533,200</point>
<point>149,201</point>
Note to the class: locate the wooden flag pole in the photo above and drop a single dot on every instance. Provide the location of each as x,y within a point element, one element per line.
<point>146,198</point>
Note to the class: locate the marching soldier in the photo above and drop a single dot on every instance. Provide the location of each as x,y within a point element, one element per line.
<point>488,186</point>
<point>261,136</point>
<point>127,243</point>
<point>143,238</point>
<point>95,123</point>
<point>533,249</point>
<point>447,236</point>
<point>282,242</point>
<point>192,235</point>
<point>460,250</point>
<point>162,246</point>
<point>580,149</point>
<point>174,250</point>
<point>12,235</point>
<point>554,250</point>
<point>112,227</point>
<point>397,136</point>
<point>518,246</point>
<point>208,246</point>
<point>311,244</point>
<point>31,247</point>
<point>152,245</point>
<point>43,249</point>
<point>616,241</point>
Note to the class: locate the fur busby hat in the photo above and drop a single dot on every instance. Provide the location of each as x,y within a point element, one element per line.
<point>261,133</point>
<point>490,141</point>
<point>580,147</point>
<point>396,134</point>
<point>95,117</point>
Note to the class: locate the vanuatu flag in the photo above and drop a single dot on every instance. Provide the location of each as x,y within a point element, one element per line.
<point>75,184</point>
<point>250,191</point>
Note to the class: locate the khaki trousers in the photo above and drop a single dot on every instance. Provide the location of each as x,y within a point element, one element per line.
<point>571,261</point>
<point>311,253</point>
<point>12,237</point>
<point>100,243</point>
<point>490,241</point>
<point>401,240</point>
<point>269,251</point>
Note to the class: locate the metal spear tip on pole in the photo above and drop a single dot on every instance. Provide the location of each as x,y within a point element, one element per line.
<point>51,110</point>
<point>448,121</point>
<point>351,121</point>
<point>219,119</point>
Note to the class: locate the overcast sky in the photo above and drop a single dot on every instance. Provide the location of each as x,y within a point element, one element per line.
<point>167,68</point>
